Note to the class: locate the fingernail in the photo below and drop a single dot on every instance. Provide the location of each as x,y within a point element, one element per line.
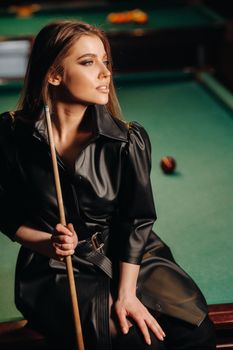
<point>148,341</point>
<point>161,337</point>
<point>164,334</point>
<point>125,330</point>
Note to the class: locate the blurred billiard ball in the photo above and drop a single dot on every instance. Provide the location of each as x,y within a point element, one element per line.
<point>168,164</point>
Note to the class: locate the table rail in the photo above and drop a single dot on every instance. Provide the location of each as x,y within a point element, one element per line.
<point>17,335</point>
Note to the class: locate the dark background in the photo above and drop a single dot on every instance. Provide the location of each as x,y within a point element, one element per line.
<point>173,55</point>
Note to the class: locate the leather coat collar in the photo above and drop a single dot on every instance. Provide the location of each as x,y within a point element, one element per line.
<point>105,125</point>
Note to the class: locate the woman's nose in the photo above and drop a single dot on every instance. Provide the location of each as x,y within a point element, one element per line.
<point>105,72</point>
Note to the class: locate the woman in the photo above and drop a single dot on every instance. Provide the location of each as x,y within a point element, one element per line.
<point>138,295</point>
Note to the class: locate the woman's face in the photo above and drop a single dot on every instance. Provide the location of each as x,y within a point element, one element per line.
<point>86,77</point>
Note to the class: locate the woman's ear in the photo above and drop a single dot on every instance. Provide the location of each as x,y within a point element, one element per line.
<point>54,78</point>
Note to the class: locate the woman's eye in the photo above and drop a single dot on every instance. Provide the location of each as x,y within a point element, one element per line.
<point>91,62</point>
<point>87,62</point>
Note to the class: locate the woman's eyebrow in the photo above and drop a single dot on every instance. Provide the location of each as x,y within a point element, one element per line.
<point>91,55</point>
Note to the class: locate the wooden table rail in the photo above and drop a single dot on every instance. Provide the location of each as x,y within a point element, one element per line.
<point>17,335</point>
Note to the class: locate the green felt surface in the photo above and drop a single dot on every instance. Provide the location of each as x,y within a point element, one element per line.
<point>171,17</point>
<point>195,205</point>
<point>8,255</point>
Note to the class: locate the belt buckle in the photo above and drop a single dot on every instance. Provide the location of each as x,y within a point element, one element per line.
<point>95,242</point>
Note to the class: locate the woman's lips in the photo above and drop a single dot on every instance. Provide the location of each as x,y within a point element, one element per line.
<point>103,88</point>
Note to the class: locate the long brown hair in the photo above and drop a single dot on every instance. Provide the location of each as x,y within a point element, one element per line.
<point>50,47</point>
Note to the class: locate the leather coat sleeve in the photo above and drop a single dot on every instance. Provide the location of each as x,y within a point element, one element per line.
<point>11,213</point>
<point>136,205</point>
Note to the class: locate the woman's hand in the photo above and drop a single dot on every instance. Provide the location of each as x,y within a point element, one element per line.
<point>130,306</point>
<point>64,241</point>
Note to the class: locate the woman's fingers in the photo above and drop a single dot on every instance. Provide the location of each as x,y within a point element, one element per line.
<point>62,253</point>
<point>152,323</point>
<point>71,228</point>
<point>75,237</point>
<point>64,246</point>
<point>148,321</point>
<point>122,319</point>
<point>65,234</point>
<point>141,315</point>
<point>64,240</point>
<point>143,327</point>
<point>155,327</point>
<point>61,229</point>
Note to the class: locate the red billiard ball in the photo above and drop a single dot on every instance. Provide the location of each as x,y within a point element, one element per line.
<point>168,164</point>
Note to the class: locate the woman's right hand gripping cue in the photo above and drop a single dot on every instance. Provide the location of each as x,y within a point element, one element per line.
<point>64,241</point>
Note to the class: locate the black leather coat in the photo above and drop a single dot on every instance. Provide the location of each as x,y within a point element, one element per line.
<point>108,192</point>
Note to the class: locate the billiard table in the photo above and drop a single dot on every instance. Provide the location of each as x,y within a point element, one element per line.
<point>176,35</point>
<point>188,115</point>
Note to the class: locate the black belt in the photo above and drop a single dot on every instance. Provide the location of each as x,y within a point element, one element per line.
<point>92,250</point>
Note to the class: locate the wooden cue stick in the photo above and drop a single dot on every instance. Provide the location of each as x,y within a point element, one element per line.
<point>69,268</point>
